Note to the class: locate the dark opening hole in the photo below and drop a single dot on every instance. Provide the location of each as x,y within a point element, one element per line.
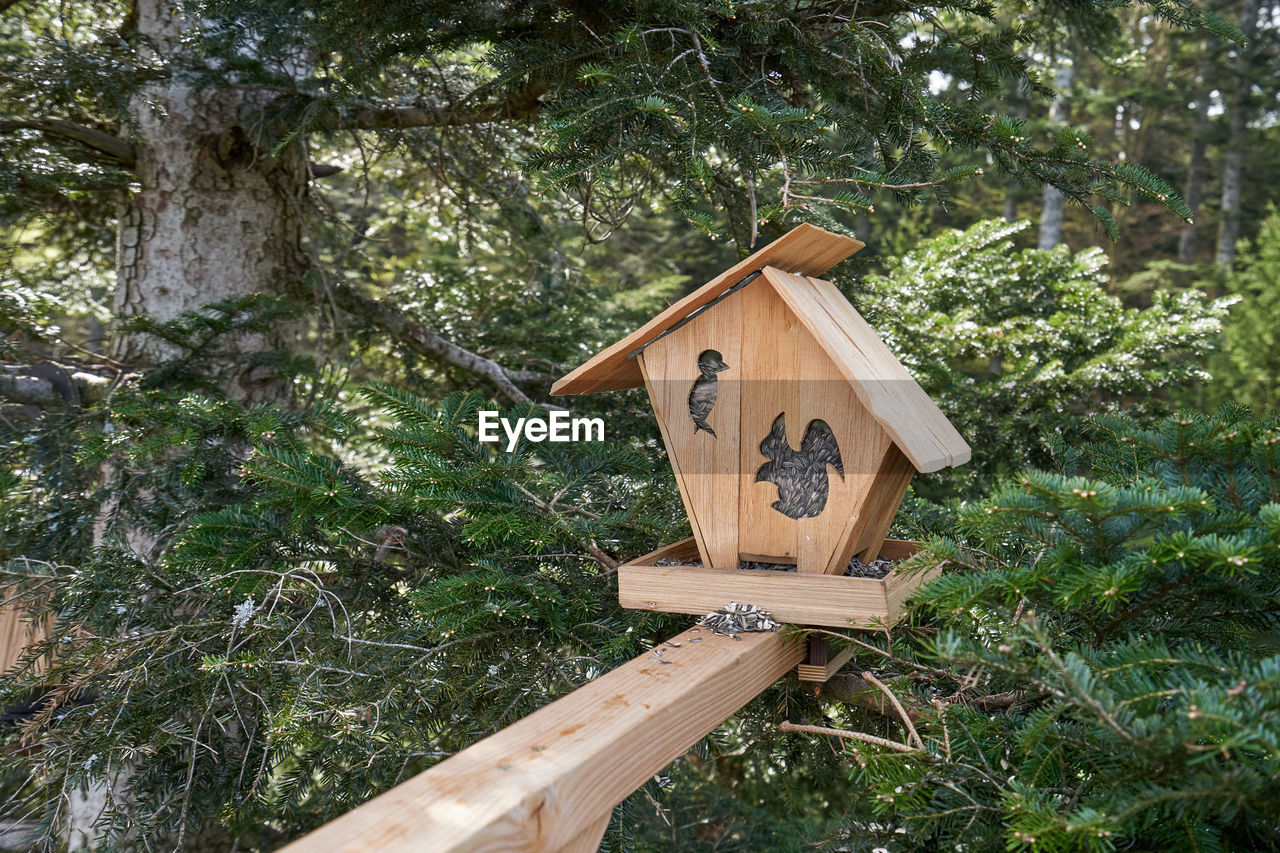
<point>702,396</point>
<point>800,475</point>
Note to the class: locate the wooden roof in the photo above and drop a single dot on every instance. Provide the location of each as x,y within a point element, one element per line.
<point>805,249</point>
<point>880,382</point>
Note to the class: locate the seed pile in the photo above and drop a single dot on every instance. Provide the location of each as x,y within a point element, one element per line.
<point>735,618</point>
<point>875,570</point>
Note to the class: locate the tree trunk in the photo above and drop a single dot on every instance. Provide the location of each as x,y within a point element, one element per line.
<point>1053,206</point>
<point>214,217</point>
<point>1020,106</point>
<point>1193,193</point>
<point>1238,128</point>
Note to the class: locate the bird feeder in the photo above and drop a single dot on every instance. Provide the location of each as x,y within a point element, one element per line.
<point>793,432</point>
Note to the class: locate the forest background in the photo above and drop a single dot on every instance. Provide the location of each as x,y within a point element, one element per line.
<point>264,262</point>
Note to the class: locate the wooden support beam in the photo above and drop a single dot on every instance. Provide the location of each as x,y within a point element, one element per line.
<point>588,841</point>
<point>550,781</point>
<point>821,663</point>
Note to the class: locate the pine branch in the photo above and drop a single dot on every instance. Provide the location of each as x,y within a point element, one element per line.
<point>426,342</point>
<point>98,140</point>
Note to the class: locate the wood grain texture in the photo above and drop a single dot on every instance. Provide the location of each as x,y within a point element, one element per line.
<point>805,249</point>
<point>881,382</point>
<point>674,460</point>
<point>790,597</point>
<point>16,634</point>
<point>549,781</point>
<point>788,372</point>
<point>893,396</point>
<point>588,841</point>
<point>889,489</point>
<point>707,464</point>
<point>823,671</point>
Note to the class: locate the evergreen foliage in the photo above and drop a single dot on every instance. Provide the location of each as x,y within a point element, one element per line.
<point>1019,345</point>
<point>1247,364</point>
<point>768,107</point>
<point>261,616</point>
<point>1101,669</point>
<point>252,630</point>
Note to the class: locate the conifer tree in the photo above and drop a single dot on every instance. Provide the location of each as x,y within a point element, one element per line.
<point>1097,668</point>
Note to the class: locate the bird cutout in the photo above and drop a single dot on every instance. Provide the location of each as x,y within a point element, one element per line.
<point>702,396</point>
<point>801,476</point>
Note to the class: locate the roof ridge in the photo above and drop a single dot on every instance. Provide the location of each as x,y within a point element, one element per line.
<point>806,249</point>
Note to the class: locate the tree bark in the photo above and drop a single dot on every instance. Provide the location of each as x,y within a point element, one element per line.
<point>1239,113</point>
<point>1053,206</point>
<point>214,216</point>
<point>1020,107</point>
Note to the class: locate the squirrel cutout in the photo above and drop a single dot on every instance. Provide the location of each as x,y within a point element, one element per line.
<point>801,476</point>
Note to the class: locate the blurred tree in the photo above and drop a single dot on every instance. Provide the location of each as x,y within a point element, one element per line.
<point>1019,346</point>
<point>1247,367</point>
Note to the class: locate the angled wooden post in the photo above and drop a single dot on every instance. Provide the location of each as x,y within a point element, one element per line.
<point>550,781</point>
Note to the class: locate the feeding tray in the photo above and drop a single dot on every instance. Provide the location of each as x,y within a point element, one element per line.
<point>793,432</point>
<point>652,582</point>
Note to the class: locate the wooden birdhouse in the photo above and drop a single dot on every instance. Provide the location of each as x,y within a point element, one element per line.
<point>793,432</point>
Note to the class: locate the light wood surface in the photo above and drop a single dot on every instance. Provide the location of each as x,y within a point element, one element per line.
<point>805,249</point>
<point>549,781</point>
<point>789,597</point>
<point>815,670</point>
<point>16,634</point>
<point>788,372</point>
<point>888,490</point>
<point>588,841</point>
<point>892,394</point>
<point>674,459</point>
<point>706,465</point>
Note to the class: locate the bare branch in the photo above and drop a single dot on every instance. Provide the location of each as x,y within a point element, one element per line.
<point>48,384</point>
<point>91,137</point>
<point>906,720</point>
<point>426,342</point>
<point>788,726</point>
<point>850,689</point>
<point>609,564</point>
<point>364,116</point>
